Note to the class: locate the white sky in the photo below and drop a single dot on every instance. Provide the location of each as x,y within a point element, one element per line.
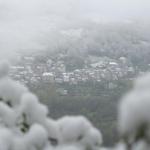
<point>107,9</point>
<point>119,8</point>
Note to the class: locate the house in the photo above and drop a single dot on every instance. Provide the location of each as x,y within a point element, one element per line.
<point>48,77</point>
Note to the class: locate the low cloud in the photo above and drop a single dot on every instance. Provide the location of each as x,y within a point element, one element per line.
<point>27,24</point>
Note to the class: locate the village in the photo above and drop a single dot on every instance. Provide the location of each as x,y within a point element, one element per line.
<point>99,70</point>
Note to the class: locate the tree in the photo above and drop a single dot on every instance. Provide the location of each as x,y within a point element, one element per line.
<point>134,119</point>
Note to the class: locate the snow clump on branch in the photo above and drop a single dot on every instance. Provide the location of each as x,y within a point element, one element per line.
<point>25,123</point>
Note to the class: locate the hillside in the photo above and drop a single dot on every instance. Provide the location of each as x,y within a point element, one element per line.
<point>88,70</point>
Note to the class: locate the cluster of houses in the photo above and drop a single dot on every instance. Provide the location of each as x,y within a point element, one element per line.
<point>99,70</point>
